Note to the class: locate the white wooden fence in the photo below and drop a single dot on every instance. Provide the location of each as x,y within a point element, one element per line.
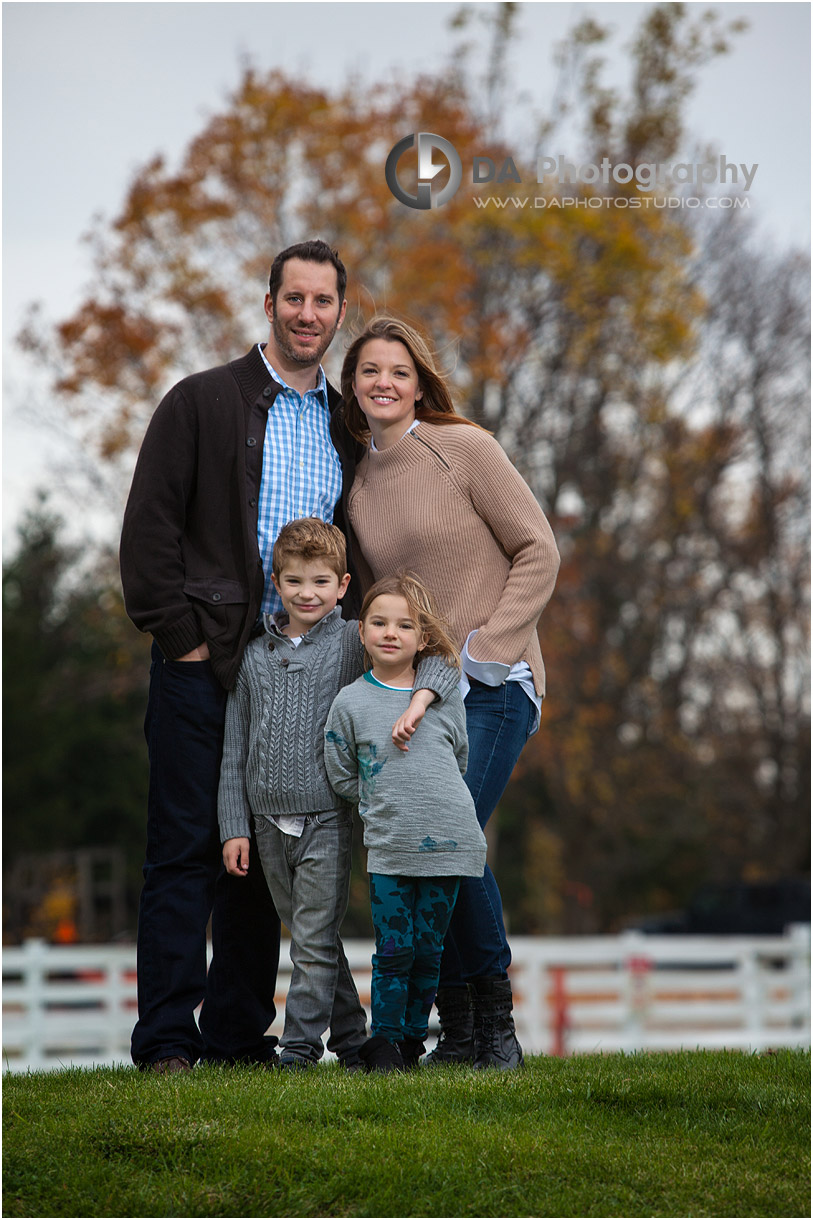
<point>76,1005</point>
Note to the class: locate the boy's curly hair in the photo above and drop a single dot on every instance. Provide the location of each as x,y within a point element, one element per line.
<point>309,538</point>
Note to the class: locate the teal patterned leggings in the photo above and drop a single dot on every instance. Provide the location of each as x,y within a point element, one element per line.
<point>410,916</point>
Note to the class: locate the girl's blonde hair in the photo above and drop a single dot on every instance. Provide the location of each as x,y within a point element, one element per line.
<point>422,611</point>
<point>435,405</point>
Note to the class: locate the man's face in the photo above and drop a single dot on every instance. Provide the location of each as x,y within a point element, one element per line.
<point>306,315</point>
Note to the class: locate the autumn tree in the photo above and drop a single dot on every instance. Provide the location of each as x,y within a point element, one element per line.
<point>676,640</point>
<point>573,333</point>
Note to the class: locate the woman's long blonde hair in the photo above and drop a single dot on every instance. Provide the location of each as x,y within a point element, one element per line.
<point>422,611</point>
<point>434,407</point>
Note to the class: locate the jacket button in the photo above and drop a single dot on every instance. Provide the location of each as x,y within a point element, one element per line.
<point>284,662</point>
<point>252,503</point>
<point>216,597</point>
<point>251,442</point>
<point>268,391</point>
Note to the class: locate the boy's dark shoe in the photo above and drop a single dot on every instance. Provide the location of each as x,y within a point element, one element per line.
<point>411,1051</point>
<point>379,1055</point>
<point>293,1063</point>
<point>456,1041</point>
<point>495,1039</point>
<point>352,1062</point>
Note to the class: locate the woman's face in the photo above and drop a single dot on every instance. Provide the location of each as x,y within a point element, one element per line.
<point>386,387</point>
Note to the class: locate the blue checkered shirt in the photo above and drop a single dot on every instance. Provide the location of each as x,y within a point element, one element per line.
<point>302,474</point>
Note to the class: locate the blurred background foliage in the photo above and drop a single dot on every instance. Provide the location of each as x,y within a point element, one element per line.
<point>647,370</point>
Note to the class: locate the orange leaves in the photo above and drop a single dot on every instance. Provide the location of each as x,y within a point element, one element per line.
<point>104,342</point>
<point>182,269</point>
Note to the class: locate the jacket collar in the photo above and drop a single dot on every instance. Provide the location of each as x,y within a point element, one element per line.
<point>253,377</point>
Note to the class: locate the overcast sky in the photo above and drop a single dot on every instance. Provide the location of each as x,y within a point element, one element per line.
<point>91,91</point>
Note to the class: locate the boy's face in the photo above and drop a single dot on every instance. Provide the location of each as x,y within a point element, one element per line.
<point>309,589</point>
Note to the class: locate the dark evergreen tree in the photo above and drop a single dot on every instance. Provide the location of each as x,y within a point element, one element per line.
<point>74,692</point>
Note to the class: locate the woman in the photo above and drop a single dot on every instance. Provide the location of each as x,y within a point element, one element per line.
<point>436,494</point>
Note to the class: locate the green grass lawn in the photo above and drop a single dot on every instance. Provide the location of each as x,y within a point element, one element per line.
<point>690,1134</point>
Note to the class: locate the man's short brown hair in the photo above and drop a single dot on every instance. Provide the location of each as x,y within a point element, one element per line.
<point>309,538</point>
<point>316,251</point>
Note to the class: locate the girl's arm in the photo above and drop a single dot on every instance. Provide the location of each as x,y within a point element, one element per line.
<point>341,760</point>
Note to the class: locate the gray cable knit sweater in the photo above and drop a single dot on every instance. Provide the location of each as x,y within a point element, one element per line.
<point>419,816</point>
<point>273,749</point>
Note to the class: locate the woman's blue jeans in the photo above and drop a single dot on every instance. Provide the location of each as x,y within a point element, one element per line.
<point>499,720</point>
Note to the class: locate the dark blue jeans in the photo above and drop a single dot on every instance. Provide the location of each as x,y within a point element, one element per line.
<point>499,720</point>
<point>185,883</point>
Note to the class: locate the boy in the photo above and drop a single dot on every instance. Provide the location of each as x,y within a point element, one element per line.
<point>273,771</point>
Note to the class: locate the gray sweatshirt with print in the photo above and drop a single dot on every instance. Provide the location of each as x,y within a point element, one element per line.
<point>419,817</point>
<point>273,749</point>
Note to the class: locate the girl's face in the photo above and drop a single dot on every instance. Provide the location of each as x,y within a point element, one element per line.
<point>388,633</point>
<point>386,386</point>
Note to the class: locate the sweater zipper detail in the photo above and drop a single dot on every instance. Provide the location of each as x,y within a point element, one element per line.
<point>426,445</point>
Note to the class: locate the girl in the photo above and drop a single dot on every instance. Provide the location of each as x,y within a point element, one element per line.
<point>420,825</point>
<point>437,495</point>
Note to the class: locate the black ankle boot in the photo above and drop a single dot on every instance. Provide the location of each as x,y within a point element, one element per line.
<point>456,1041</point>
<point>379,1055</point>
<point>495,1039</point>
<point>411,1051</point>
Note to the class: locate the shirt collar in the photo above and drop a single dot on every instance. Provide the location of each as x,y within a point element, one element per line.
<point>411,428</point>
<point>321,382</point>
<point>275,621</point>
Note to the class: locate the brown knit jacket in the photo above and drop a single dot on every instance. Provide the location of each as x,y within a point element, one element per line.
<point>446,503</point>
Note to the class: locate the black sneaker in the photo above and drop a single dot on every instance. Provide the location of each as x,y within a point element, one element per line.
<point>411,1051</point>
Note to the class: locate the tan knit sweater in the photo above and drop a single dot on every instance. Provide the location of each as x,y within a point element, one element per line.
<point>446,503</point>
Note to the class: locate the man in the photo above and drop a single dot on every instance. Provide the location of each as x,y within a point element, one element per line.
<point>230,455</point>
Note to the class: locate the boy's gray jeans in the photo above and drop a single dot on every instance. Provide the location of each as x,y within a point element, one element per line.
<point>309,881</point>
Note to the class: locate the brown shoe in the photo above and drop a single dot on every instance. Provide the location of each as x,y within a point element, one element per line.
<point>166,1067</point>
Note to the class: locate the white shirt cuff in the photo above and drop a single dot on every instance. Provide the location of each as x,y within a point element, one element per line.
<point>491,673</point>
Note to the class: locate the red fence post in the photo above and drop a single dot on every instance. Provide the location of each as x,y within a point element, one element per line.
<point>558,998</point>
